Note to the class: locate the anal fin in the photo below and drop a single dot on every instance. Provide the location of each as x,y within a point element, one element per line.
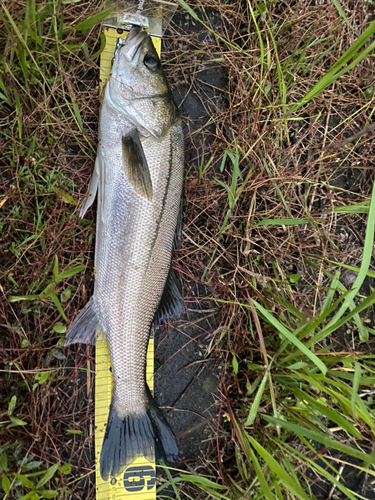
<point>83,328</point>
<point>171,304</point>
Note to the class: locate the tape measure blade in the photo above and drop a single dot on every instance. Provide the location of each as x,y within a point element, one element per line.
<point>138,481</point>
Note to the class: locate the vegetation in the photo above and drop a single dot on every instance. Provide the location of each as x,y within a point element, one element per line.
<point>278,224</point>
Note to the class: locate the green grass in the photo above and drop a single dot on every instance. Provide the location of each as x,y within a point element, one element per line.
<point>285,249</point>
<point>42,122</point>
<point>304,407</point>
<point>49,291</point>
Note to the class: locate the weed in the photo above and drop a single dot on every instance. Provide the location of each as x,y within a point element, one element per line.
<point>283,239</point>
<point>296,334</point>
<point>49,292</point>
<point>45,152</point>
<point>29,482</point>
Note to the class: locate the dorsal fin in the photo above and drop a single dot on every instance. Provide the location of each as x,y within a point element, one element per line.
<point>135,165</point>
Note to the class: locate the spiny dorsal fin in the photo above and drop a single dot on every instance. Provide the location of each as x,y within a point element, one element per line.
<point>135,165</point>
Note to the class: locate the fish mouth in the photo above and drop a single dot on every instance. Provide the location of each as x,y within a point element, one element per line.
<point>133,43</point>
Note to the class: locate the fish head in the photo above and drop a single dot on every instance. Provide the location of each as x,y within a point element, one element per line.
<point>137,71</point>
<point>138,88</point>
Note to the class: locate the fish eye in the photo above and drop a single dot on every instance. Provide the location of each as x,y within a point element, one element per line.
<point>150,62</point>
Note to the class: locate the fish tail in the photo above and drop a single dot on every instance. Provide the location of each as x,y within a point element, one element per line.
<point>165,441</point>
<point>126,438</point>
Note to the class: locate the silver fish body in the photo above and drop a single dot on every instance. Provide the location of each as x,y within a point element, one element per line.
<point>138,174</point>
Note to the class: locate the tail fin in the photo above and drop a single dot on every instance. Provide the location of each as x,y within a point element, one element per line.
<point>136,436</point>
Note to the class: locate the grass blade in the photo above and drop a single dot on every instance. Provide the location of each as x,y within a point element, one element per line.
<point>257,400</point>
<point>341,66</point>
<point>265,489</point>
<point>342,13</point>
<point>329,413</point>
<point>290,337</point>
<point>356,384</point>
<point>282,222</point>
<point>278,470</point>
<point>93,20</point>
<point>321,438</point>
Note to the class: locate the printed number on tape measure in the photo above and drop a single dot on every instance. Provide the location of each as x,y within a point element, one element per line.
<point>138,477</point>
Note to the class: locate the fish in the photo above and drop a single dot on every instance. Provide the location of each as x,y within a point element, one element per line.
<point>138,179</point>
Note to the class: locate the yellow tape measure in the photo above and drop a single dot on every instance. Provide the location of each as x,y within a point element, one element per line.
<point>138,481</point>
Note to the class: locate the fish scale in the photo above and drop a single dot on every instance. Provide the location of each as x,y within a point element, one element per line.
<point>122,299</point>
<point>139,176</point>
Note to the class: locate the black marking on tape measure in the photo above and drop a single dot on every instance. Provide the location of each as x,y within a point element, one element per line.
<point>137,477</point>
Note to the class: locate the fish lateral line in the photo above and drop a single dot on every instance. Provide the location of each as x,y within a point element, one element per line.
<point>135,133</point>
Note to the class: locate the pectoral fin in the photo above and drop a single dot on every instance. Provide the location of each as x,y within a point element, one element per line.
<point>135,165</point>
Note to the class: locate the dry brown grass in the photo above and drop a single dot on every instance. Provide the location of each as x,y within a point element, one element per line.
<point>294,166</point>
